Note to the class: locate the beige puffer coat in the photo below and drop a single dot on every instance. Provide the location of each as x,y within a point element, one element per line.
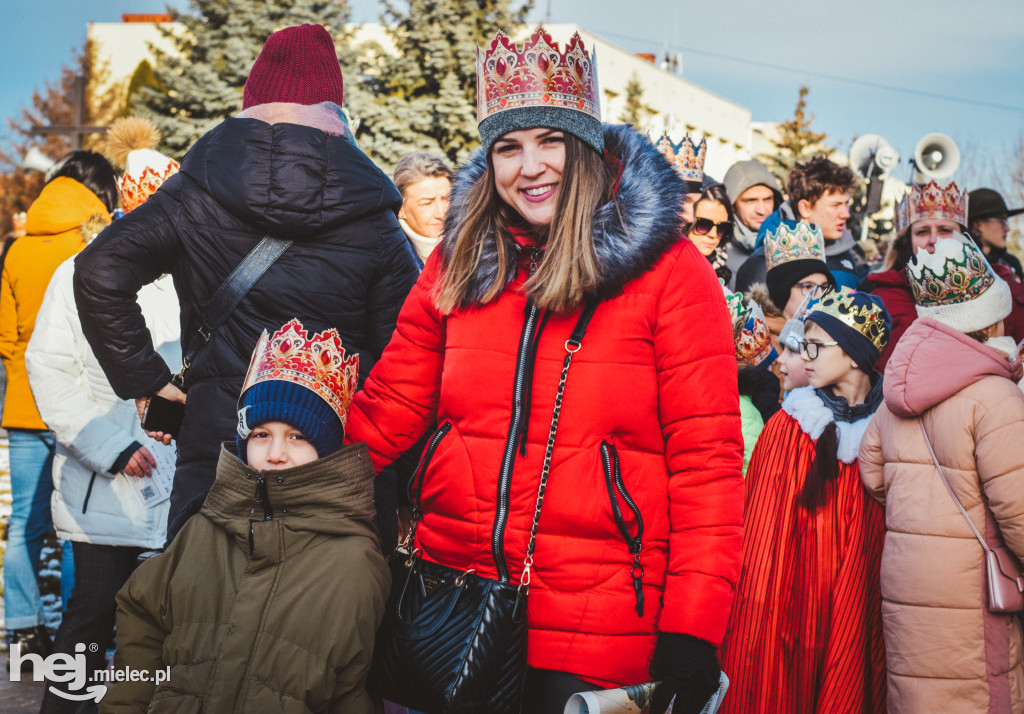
<point>945,652</point>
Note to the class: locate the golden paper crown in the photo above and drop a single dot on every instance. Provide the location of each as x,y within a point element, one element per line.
<point>931,201</point>
<point>687,156</point>
<point>317,363</point>
<point>793,241</point>
<point>536,76</point>
<point>754,343</point>
<point>750,331</point>
<point>859,311</point>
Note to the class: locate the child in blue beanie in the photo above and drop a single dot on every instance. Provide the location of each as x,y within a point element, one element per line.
<point>269,598</point>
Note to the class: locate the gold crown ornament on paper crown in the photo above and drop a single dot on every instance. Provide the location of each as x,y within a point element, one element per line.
<point>956,272</point>
<point>794,241</point>
<point>931,201</point>
<point>750,331</point>
<point>866,317</point>
<point>538,77</point>
<point>317,362</point>
<point>687,156</point>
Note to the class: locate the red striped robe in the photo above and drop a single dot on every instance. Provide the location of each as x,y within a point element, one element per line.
<point>805,632</point>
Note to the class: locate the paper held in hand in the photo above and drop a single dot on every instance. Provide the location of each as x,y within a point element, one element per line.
<point>155,489</point>
<point>633,700</point>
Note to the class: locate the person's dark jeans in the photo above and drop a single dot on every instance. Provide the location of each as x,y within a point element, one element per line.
<point>100,571</point>
<point>547,691</point>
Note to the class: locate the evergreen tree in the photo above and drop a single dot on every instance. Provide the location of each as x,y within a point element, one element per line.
<point>424,99</point>
<point>143,76</point>
<point>52,107</point>
<point>635,112</point>
<point>796,141</point>
<point>203,79</point>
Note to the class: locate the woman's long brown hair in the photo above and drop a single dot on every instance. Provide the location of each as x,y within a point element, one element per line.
<point>569,270</point>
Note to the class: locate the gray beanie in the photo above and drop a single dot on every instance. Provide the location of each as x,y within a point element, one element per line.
<point>746,174</point>
<point>581,125</point>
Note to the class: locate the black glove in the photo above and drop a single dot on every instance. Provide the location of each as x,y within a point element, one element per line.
<point>688,669</point>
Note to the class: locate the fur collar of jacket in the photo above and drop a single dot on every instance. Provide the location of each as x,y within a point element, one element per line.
<point>813,415</point>
<point>631,232</point>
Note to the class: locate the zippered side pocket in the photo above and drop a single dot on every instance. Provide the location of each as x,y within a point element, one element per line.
<point>634,541</point>
<point>421,467</point>
<point>88,492</point>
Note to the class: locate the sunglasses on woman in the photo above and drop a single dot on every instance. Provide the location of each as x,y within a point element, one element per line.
<point>703,226</point>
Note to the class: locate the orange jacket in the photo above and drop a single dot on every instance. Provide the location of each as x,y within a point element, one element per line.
<point>52,236</point>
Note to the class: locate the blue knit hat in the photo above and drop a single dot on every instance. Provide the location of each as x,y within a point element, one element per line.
<point>292,404</point>
<point>858,321</point>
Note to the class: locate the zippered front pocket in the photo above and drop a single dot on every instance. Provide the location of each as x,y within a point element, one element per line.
<point>634,540</point>
<point>421,468</point>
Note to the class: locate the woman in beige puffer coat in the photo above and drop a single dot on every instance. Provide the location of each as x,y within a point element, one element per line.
<point>945,652</point>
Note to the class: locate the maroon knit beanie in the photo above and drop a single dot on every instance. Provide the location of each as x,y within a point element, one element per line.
<point>298,65</point>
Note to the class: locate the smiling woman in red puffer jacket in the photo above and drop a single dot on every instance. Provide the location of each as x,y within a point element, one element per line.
<point>554,210</point>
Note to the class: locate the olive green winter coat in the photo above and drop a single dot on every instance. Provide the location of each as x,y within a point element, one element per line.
<point>267,601</point>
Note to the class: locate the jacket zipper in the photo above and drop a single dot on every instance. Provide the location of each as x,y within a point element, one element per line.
<point>88,492</point>
<point>505,475</point>
<point>614,482</point>
<point>425,459</point>
<point>261,497</point>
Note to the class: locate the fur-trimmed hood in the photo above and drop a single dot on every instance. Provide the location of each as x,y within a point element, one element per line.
<point>631,232</point>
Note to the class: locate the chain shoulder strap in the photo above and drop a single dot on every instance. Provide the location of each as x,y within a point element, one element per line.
<point>572,346</point>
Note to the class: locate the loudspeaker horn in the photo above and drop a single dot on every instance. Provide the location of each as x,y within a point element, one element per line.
<point>36,159</point>
<point>936,157</point>
<point>871,156</point>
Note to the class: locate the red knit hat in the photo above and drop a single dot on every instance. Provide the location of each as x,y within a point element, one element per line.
<point>298,65</point>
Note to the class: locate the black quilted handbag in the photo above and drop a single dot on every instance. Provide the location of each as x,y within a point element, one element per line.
<point>453,642</point>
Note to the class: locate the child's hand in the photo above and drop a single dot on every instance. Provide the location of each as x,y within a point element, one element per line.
<point>141,464</point>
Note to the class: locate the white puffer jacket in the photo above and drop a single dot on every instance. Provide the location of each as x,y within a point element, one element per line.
<point>93,427</point>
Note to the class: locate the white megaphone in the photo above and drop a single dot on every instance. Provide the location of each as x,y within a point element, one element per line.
<point>871,156</point>
<point>936,157</point>
<point>36,159</point>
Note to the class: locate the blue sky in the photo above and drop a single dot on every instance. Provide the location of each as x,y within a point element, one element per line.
<point>899,69</point>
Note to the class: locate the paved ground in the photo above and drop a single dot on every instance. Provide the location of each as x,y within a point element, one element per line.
<point>18,697</point>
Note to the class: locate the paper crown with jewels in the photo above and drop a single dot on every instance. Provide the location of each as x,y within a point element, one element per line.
<point>861,312</point>
<point>751,335</point>
<point>687,156</point>
<point>317,362</point>
<point>956,286</point>
<point>931,201</point>
<point>130,143</point>
<point>793,241</point>
<point>538,77</point>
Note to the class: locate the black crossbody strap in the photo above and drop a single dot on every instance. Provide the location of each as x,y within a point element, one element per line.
<point>230,293</point>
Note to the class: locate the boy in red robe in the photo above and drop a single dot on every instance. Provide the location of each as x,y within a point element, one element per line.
<point>805,632</point>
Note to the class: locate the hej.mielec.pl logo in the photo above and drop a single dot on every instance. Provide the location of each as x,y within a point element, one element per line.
<point>71,669</point>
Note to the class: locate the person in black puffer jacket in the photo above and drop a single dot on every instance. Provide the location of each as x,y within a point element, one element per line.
<point>286,167</point>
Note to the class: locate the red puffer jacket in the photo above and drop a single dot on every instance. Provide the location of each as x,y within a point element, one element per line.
<point>648,442</point>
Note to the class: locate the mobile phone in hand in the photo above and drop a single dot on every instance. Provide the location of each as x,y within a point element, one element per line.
<point>163,415</point>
